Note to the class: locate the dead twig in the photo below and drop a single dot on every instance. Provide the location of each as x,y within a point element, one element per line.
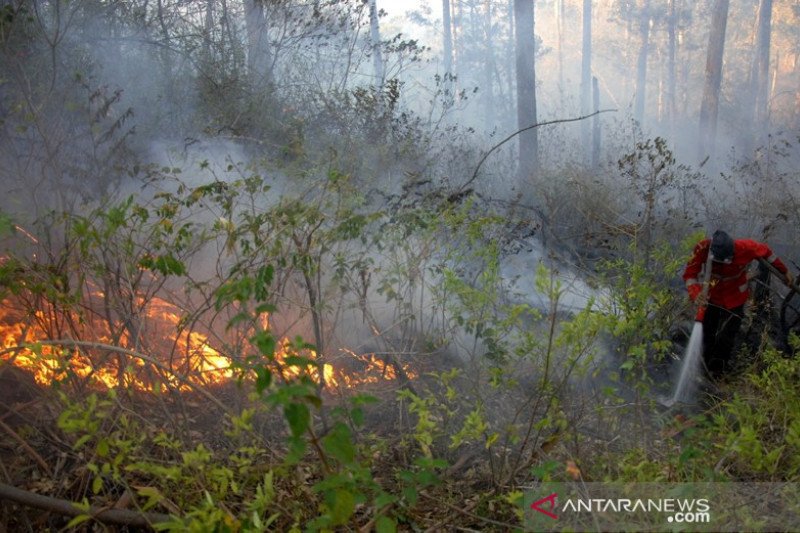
<point>35,456</point>
<point>16,411</point>
<point>370,526</point>
<point>121,517</point>
<point>466,511</point>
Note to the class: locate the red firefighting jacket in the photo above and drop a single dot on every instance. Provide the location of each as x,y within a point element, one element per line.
<point>729,287</point>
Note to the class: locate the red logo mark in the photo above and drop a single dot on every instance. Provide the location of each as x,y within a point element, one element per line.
<point>552,507</point>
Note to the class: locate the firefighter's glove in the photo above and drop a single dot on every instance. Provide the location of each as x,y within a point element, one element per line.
<point>694,291</point>
<point>789,278</point>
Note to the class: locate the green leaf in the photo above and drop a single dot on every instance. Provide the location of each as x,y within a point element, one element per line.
<point>411,495</point>
<point>81,441</point>
<point>167,264</point>
<point>297,447</point>
<point>298,417</point>
<point>384,499</point>
<point>78,520</point>
<point>263,379</point>
<point>357,415</point>
<point>363,399</point>
<point>238,318</point>
<point>152,494</point>
<point>339,443</point>
<point>263,281</point>
<point>264,308</point>
<point>264,342</point>
<point>343,507</point>
<point>164,264</point>
<point>271,519</point>
<point>117,215</point>
<point>384,524</point>
<point>102,448</point>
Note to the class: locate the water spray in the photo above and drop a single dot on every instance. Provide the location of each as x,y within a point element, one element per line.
<point>684,390</point>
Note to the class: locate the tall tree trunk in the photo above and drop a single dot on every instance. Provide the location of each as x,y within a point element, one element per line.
<point>683,75</point>
<point>662,89</point>
<point>641,64</point>
<point>166,56</point>
<point>488,66</point>
<point>796,78</point>
<point>526,93</point>
<point>586,77</point>
<point>758,94</point>
<point>773,84</point>
<point>375,38</point>
<point>447,42</point>
<point>208,27</point>
<point>258,52</point>
<point>710,105</point>
<point>671,107</point>
<point>511,56</point>
<point>595,123</point>
<point>560,29</point>
<point>456,23</point>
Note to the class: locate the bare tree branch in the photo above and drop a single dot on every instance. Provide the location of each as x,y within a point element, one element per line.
<point>501,143</point>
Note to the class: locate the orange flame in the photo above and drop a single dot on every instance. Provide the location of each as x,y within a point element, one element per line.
<point>187,357</point>
<point>48,363</point>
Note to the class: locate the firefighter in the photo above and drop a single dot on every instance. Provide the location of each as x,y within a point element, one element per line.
<point>728,291</point>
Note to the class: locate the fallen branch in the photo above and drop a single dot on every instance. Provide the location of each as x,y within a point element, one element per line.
<point>467,511</point>
<point>121,517</point>
<point>501,143</point>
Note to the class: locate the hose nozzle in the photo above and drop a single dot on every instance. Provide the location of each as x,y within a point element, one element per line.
<point>701,314</point>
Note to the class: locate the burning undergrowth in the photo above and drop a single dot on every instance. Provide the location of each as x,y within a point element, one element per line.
<point>216,333</point>
<point>161,352</point>
<point>117,305</point>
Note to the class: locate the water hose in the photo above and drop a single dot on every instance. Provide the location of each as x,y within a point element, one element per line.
<point>701,310</point>
<point>779,275</point>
